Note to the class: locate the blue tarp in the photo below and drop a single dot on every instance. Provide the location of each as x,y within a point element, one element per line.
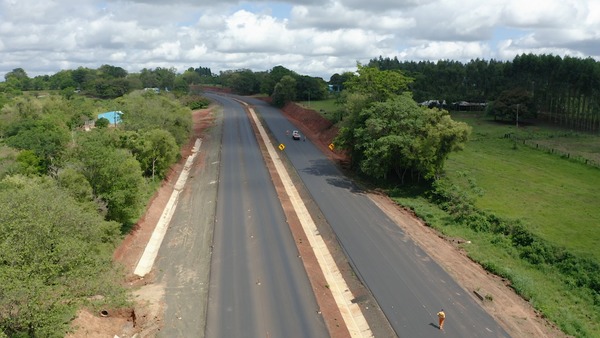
<point>113,117</point>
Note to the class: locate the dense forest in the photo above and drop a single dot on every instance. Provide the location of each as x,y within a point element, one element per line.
<point>564,91</point>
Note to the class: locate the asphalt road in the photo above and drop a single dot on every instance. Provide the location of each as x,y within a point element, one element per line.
<point>408,285</point>
<point>258,285</point>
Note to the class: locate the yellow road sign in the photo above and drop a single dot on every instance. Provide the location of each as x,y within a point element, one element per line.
<point>281,147</point>
<point>331,146</point>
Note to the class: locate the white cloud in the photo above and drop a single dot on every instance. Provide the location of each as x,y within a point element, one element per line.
<point>541,13</point>
<point>315,38</point>
<point>247,32</point>
<point>448,50</point>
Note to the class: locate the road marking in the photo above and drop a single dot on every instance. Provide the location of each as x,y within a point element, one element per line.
<point>151,251</point>
<point>351,314</point>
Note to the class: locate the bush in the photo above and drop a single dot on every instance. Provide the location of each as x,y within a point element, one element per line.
<point>520,236</point>
<point>63,257</point>
<point>195,102</point>
<point>493,268</point>
<point>102,123</point>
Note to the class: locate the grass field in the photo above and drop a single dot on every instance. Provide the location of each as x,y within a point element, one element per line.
<point>557,198</point>
<point>328,108</point>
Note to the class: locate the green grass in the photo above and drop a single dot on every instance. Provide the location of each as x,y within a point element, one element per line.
<point>556,197</point>
<point>571,308</point>
<point>328,108</point>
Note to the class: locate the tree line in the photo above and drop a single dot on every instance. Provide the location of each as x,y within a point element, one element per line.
<point>111,82</point>
<point>282,84</point>
<point>561,90</point>
<point>106,82</point>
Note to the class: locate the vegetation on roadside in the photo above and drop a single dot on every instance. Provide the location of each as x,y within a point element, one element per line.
<point>56,256</point>
<point>328,108</point>
<point>68,194</point>
<point>528,216</point>
<point>387,133</point>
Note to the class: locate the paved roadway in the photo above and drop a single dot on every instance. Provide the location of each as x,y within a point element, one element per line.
<point>258,285</point>
<point>246,300</point>
<point>408,285</point>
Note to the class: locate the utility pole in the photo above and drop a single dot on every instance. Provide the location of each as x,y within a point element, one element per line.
<point>517,115</point>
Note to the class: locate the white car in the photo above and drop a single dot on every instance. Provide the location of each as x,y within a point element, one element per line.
<point>296,135</point>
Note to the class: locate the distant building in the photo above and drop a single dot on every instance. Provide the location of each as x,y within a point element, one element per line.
<point>433,103</point>
<point>114,117</point>
<point>468,106</point>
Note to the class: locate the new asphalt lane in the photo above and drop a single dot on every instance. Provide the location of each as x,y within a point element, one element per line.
<point>258,285</point>
<point>408,285</point>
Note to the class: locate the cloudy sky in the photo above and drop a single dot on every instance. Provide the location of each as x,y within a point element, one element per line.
<point>311,37</point>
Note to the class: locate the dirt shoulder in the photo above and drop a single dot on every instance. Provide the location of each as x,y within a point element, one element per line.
<point>144,318</point>
<point>511,311</point>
